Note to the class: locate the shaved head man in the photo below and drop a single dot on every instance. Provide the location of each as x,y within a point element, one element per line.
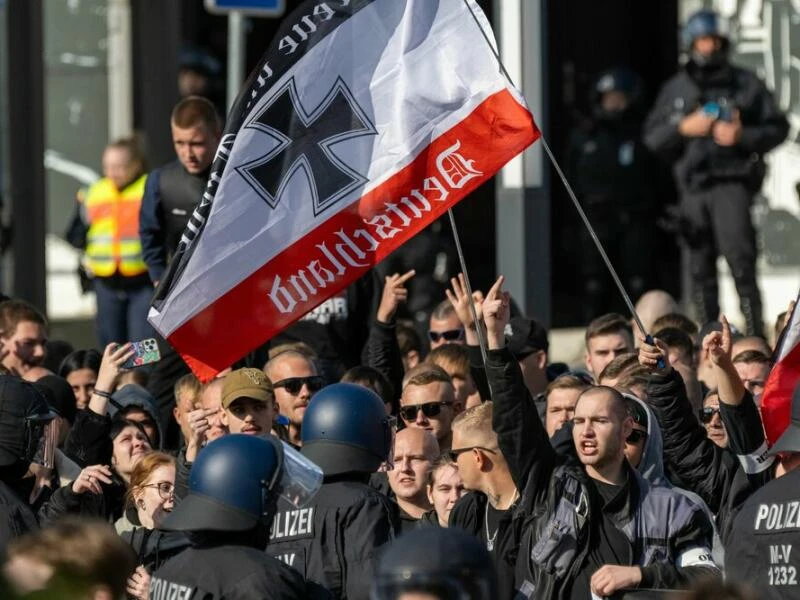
<point>651,306</point>
<point>415,451</point>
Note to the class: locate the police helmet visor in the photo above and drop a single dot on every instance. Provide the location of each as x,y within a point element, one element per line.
<point>42,438</point>
<point>299,479</point>
<point>388,464</point>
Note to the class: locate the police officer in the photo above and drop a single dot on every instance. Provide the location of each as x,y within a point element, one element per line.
<point>763,547</point>
<point>715,122</point>
<point>234,486</point>
<point>28,434</point>
<point>613,175</point>
<point>334,541</point>
<point>435,563</point>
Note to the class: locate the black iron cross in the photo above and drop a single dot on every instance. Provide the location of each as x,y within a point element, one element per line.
<point>305,142</point>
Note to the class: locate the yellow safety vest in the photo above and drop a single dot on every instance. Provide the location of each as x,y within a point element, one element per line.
<point>112,242</point>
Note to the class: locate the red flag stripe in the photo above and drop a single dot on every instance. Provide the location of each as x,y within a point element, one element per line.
<point>776,401</point>
<point>355,239</point>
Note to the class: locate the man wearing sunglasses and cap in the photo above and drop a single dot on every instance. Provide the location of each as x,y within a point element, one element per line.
<point>766,532</point>
<point>234,487</point>
<point>28,434</point>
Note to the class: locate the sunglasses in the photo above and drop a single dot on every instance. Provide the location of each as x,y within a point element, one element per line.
<point>706,414</point>
<point>456,452</point>
<point>429,409</point>
<point>165,489</point>
<point>451,335</point>
<point>636,436</point>
<point>293,385</point>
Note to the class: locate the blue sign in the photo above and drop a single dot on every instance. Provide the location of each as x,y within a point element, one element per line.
<point>259,8</point>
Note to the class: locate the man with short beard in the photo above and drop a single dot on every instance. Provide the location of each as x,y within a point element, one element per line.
<point>294,380</point>
<point>631,523</point>
<point>248,402</point>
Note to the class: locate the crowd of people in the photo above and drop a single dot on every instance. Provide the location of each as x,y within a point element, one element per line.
<point>355,456</point>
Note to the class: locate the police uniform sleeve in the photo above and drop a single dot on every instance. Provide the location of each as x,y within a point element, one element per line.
<point>661,133</point>
<point>151,231</point>
<point>285,584</point>
<point>764,126</point>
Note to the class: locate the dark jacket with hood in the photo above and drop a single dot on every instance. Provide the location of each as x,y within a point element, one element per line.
<point>154,547</point>
<point>659,530</point>
<point>89,441</point>
<point>694,461</point>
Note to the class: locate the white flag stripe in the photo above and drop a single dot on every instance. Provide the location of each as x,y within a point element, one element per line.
<point>410,103</point>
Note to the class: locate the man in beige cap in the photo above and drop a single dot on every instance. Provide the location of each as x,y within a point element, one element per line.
<point>248,402</point>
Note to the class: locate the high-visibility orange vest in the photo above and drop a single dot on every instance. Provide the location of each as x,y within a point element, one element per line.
<point>112,242</point>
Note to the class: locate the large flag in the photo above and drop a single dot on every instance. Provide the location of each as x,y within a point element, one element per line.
<point>364,122</point>
<point>776,401</point>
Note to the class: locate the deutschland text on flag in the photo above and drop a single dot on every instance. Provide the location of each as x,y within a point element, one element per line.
<point>364,122</point>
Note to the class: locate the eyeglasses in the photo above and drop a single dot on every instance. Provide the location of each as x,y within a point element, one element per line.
<point>636,436</point>
<point>165,489</point>
<point>293,385</point>
<point>429,409</point>
<point>707,413</point>
<point>451,335</point>
<point>456,452</point>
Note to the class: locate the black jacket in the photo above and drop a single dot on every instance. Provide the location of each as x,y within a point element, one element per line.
<point>766,534</point>
<point>469,514</point>
<point>109,505</point>
<point>334,541</point>
<point>695,462</point>
<point>662,531</point>
<point>700,162</point>
<point>154,547</point>
<point>16,518</point>
<point>383,354</point>
<point>225,572</point>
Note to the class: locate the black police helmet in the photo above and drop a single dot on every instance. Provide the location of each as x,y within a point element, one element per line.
<point>346,429</point>
<point>230,485</point>
<point>23,413</point>
<point>704,23</point>
<point>447,563</point>
<point>616,79</point>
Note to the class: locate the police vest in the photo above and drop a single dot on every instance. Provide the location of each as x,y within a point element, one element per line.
<point>112,242</point>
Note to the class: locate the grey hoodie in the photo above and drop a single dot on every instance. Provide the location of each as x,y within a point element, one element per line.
<point>651,468</point>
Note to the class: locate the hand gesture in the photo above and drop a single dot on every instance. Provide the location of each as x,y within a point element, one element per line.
<point>496,314</point>
<point>717,344</point>
<point>394,293</point>
<point>649,355</point>
<point>728,133</point>
<point>696,124</point>
<point>114,357</point>
<point>460,300</point>
<point>609,579</point>
<point>199,424</point>
<point>139,584</point>
<point>90,478</point>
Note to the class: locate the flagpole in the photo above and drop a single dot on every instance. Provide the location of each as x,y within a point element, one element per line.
<point>570,192</point>
<point>478,330</point>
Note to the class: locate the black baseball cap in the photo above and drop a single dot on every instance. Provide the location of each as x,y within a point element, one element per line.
<point>524,336</point>
<point>790,439</point>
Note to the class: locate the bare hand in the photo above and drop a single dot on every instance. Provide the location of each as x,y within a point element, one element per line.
<point>394,293</point>
<point>139,583</point>
<point>460,300</point>
<point>496,314</point>
<point>609,579</point>
<point>90,478</point>
<point>114,357</point>
<point>650,354</point>
<point>787,319</point>
<point>696,124</point>
<point>717,344</point>
<point>199,424</point>
<point>728,133</point>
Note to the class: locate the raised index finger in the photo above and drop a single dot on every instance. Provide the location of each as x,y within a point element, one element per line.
<point>405,277</point>
<point>494,291</point>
